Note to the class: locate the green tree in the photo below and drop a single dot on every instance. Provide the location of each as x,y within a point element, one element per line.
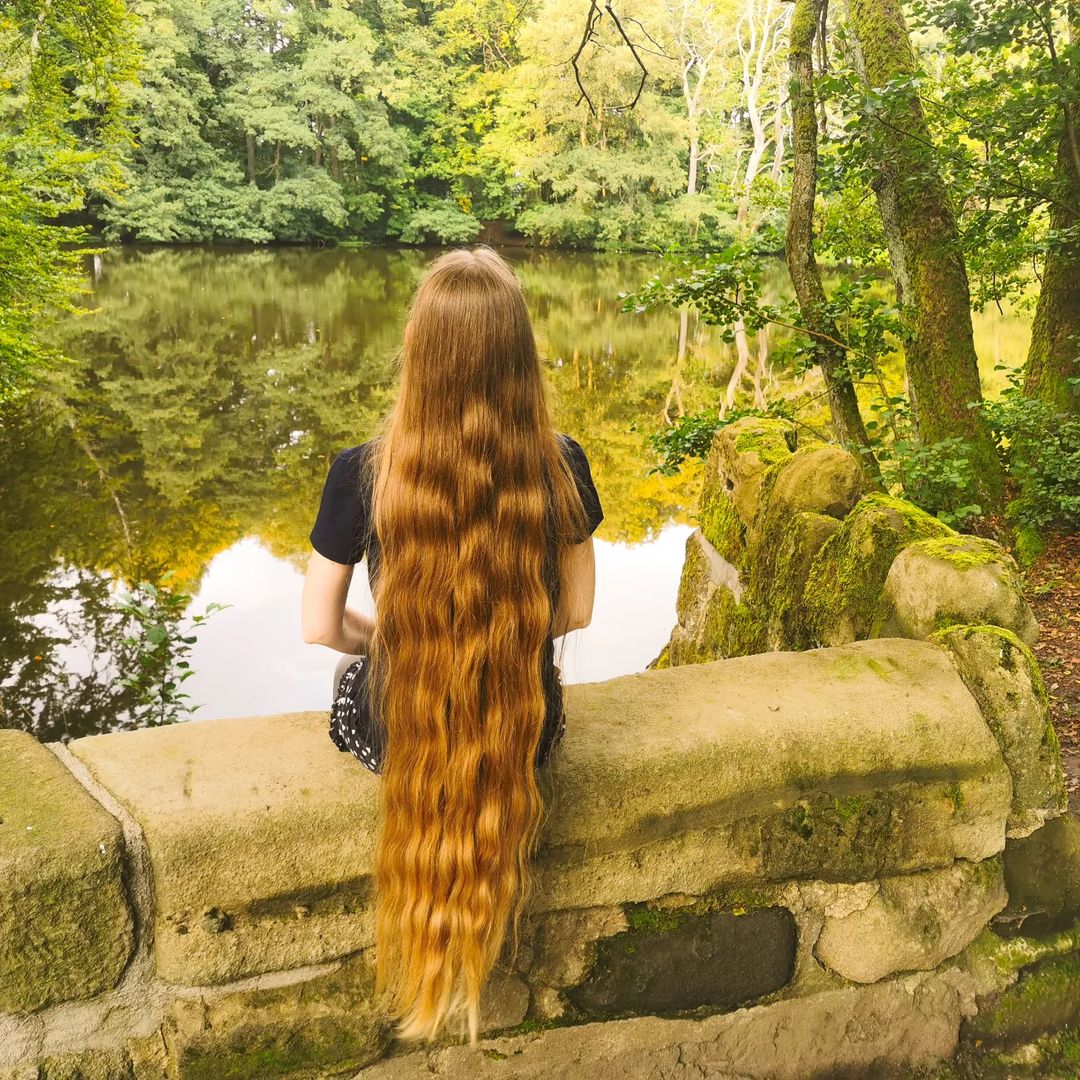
<point>831,353</point>
<point>1006,102</point>
<point>63,64</point>
<point>924,244</point>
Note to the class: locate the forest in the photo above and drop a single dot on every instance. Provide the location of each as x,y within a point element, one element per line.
<point>935,144</point>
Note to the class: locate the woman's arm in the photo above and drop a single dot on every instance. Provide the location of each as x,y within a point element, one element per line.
<point>324,618</point>
<point>577,585</point>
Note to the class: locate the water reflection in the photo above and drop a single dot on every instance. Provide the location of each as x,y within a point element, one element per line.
<point>194,431</point>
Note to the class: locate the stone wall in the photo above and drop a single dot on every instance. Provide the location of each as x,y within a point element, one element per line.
<point>783,864</point>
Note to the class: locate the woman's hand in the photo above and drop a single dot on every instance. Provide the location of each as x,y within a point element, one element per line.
<point>324,618</point>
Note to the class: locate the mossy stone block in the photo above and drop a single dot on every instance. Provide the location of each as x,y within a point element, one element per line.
<point>707,605</point>
<point>676,961</point>
<point>695,583</point>
<point>815,480</point>
<point>741,454</point>
<point>777,593</point>
<point>950,580</point>
<point>66,930</point>
<point>1004,678</point>
<point>96,1064</point>
<point>846,580</point>
<point>694,778</point>
<point>324,1023</point>
<point>913,921</point>
<point>722,527</point>
<point>1044,998</point>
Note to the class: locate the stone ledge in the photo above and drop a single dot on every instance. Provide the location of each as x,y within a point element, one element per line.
<point>841,764</point>
<point>66,931</point>
<point>912,1020</point>
<point>260,835</point>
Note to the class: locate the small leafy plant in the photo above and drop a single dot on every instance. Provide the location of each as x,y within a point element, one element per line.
<point>161,648</point>
<point>1040,448</point>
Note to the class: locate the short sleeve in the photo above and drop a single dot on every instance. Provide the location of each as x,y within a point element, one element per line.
<point>340,531</point>
<point>579,465</point>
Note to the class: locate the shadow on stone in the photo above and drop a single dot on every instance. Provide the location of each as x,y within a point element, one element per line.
<point>670,962</point>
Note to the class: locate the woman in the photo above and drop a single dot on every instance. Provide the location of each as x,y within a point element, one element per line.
<point>476,520</point>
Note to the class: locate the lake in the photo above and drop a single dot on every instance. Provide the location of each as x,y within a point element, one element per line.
<point>191,435</point>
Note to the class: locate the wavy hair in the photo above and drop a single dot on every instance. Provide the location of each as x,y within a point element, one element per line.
<point>473,498</point>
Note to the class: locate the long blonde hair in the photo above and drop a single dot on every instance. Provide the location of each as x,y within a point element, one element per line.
<point>472,499</point>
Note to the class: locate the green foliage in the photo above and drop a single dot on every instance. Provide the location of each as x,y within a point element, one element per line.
<point>1040,447</point>
<point>40,271</point>
<point>724,287</point>
<point>161,652</point>
<point>441,220</point>
<point>939,477</point>
<point>63,64</point>
<point>1003,72</point>
<point>335,120</point>
<point>691,436</point>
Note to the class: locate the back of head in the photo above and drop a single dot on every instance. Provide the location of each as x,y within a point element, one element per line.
<point>472,497</point>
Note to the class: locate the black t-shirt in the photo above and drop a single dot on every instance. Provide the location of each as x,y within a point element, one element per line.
<point>343,533</point>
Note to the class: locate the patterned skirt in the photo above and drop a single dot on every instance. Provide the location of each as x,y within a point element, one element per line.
<point>353,731</point>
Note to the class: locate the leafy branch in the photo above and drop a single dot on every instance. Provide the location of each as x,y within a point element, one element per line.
<point>162,651</point>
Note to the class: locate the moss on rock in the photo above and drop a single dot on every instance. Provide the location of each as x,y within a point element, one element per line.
<point>914,921</point>
<point>326,1021</point>
<point>780,583</point>
<point>1045,998</point>
<point>93,1064</point>
<point>953,580</point>
<point>712,623</point>
<point>963,552</point>
<point>693,584</point>
<point>847,577</point>
<point>815,479</point>
<point>740,455</point>
<point>66,930</point>
<point>723,528</point>
<point>1042,873</point>
<point>769,441</point>
<point>670,961</point>
<point>1003,676</point>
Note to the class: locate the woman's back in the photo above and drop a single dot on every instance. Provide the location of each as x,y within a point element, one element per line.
<point>344,532</point>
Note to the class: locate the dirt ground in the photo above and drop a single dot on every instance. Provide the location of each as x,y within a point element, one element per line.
<point>1052,586</point>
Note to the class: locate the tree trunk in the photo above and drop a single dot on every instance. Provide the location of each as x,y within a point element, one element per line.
<point>777,172</point>
<point>1055,332</point>
<point>249,142</point>
<point>920,227</point>
<point>799,244</point>
<point>691,177</point>
<point>753,55</point>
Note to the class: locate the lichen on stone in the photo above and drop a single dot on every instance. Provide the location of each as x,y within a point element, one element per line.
<point>1003,677</point>
<point>721,526</point>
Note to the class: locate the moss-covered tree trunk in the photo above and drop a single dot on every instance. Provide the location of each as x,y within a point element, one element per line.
<point>1055,333</point>
<point>920,227</point>
<point>799,244</point>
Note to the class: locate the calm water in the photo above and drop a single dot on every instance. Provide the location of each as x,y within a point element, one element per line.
<point>193,433</point>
